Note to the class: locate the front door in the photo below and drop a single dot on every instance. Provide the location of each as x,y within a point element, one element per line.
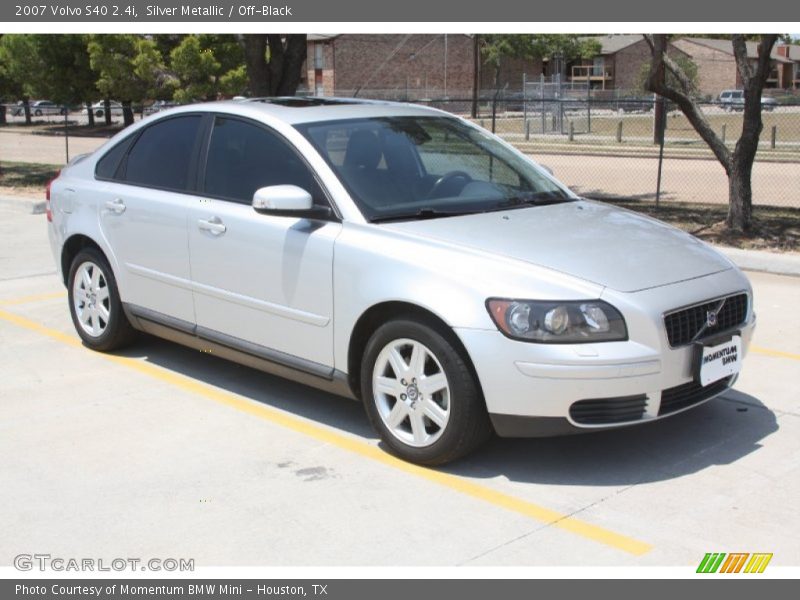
<point>261,283</point>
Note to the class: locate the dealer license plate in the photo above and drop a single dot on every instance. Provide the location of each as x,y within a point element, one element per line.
<point>720,360</point>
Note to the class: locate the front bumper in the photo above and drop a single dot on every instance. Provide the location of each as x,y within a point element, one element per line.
<point>544,389</point>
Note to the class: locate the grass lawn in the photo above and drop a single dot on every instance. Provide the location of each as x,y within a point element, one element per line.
<point>679,130</point>
<point>775,228</point>
<point>26,177</point>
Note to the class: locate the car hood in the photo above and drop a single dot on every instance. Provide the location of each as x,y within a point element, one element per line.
<point>595,242</point>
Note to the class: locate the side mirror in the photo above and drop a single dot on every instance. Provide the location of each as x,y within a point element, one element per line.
<point>546,168</point>
<point>287,201</point>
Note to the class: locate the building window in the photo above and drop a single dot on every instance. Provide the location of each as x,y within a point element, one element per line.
<point>319,55</point>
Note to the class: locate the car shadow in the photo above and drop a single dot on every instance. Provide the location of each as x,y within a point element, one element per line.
<point>719,432</point>
<point>340,413</point>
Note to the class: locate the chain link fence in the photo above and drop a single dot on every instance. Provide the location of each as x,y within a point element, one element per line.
<point>606,148</point>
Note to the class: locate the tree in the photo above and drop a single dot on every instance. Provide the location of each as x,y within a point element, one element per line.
<point>207,65</point>
<point>17,56</point>
<point>63,73</point>
<point>129,67</point>
<point>684,62</point>
<point>234,82</point>
<point>274,63</point>
<point>495,47</point>
<point>196,69</point>
<point>738,164</point>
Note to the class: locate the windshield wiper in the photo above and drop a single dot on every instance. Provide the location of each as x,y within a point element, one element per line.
<point>422,213</point>
<point>534,199</point>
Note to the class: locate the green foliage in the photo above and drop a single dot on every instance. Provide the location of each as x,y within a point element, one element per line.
<point>129,67</point>
<point>63,72</point>
<point>234,82</point>
<point>569,46</point>
<point>17,63</point>
<point>196,69</point>
<point>684,62</point>
<point>207,65</point>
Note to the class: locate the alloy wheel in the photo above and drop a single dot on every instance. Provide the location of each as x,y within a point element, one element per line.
<point>411,392</point>
<point>91,300</point>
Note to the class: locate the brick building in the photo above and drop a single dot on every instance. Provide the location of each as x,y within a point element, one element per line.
<point>419,66</point>
<point>716,65</point>
<point>413,66</point>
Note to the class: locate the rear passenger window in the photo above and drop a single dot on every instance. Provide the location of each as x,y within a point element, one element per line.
<point>243,158</point>
<point>108,164</point>
<point>162,155</point>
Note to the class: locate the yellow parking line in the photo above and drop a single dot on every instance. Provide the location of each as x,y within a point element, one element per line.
<point>33,298</point>
<point>324,434</point>
<point>775,353</point>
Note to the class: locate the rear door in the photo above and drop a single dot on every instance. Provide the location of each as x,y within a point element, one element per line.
<point>143,212</point>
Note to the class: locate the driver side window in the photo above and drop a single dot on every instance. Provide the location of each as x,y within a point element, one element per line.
<point>243,157</point>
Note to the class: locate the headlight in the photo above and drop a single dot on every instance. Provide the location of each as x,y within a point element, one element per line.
<point>559,322</point>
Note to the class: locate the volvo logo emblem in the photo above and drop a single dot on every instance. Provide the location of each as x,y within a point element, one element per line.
<point>711,318</point>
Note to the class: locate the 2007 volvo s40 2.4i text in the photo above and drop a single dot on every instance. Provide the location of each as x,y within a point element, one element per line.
<point>401,256</point>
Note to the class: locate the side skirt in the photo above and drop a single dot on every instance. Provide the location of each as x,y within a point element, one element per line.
<point>243,352</point>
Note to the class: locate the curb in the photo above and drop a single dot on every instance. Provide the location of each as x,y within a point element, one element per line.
<point>776,263</point>
<point>32,206</point>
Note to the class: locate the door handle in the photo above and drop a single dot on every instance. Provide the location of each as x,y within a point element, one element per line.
<point>213,225</point>
<point>116,206</point>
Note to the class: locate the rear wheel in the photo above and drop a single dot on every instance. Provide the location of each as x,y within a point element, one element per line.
<point>94,303</point>
<point>421,395</point>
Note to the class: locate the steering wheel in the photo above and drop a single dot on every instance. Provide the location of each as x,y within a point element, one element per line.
<point>445,179</point>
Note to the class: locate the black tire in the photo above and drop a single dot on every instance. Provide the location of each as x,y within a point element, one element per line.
<point>468,425</point>
<point>37,113</point>
<point>98,113</point>
<point>118,332</point>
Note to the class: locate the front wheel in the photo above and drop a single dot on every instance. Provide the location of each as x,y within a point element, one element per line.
<point>421,395</point>
<point>95,304</point>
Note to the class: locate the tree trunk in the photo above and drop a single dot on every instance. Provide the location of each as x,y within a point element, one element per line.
<point>107,110</point>
<point>26,107</point>
<point>476,66</point>
<point>90,113</point>
<point>3,119</point>
<point>740,196</point>
<point>286,63</point>
<point>127,112</point>
<point>255,55</point>
<point>738,164</point>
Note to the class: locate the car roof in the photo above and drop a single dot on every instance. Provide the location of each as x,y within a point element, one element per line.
<point>309,109</point>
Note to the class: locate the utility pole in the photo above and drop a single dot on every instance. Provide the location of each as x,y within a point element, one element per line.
<point>445,65</point>
<point>475,74</point>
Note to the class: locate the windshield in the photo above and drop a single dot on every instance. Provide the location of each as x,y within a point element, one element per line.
<point>424,167</point>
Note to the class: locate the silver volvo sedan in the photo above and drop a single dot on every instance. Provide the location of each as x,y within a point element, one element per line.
<point>400,256</point>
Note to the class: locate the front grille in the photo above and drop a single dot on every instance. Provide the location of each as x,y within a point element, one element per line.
<point>684,325</point>
<point>608,410</point>
<point>688,394</point>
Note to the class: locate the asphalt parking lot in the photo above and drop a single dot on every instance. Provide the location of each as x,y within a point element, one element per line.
<point>164,451</point>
